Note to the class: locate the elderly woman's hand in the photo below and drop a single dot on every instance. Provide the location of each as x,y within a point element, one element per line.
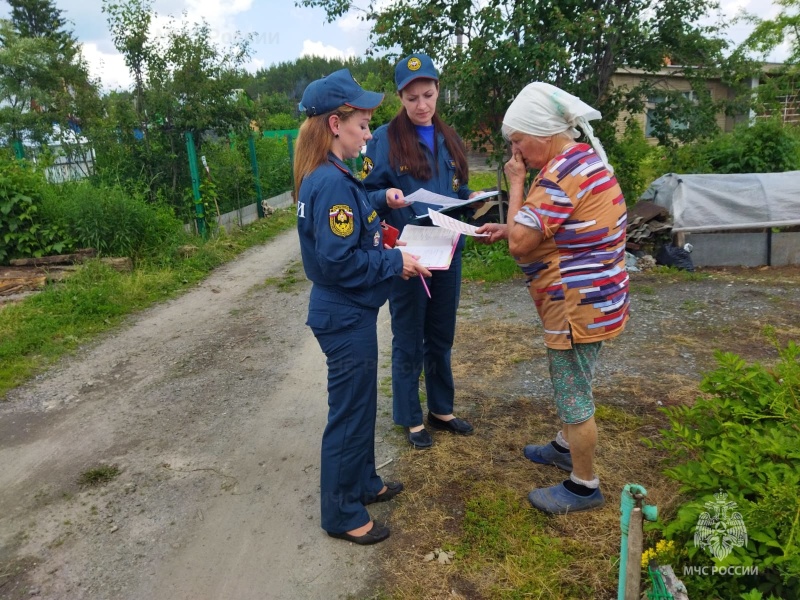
<point>495,231</point>
<point>515,170</point>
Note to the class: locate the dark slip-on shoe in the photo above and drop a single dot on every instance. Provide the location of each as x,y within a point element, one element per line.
<point>378,533</point>
<point>454,425</point>
<point>419,439</point>
<point>392,489</point>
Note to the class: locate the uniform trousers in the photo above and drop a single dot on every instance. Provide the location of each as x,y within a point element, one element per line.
<point>423,330</point>
<point>348,337</point>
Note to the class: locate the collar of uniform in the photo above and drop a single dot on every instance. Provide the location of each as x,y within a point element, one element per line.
<point>339,164</point>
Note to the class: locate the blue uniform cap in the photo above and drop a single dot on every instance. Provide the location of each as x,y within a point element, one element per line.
<point>337,89</point>
<point>414,66</point>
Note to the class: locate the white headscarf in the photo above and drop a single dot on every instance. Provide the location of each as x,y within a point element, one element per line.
<point>542,109</point>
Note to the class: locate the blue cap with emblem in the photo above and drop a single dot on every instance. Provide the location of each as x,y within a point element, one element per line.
<point>337,89</point>
<point>414,66</point>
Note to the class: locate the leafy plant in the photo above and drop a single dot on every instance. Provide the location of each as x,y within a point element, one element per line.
<point>768,146</point>
<point>743,438</point>
<point>22,231</point>
<point>109,219</point>
<point>628,156</point>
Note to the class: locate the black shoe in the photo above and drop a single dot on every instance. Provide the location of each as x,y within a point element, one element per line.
<point>392,489</point>
<point>459,426</point>
<point>378,533</point>
<point>419,439</point>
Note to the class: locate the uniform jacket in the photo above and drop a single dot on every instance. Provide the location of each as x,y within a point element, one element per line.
<point>379,175</point>
<point>341,240</point>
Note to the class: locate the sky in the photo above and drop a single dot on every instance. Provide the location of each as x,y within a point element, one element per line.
<point>281,31</point>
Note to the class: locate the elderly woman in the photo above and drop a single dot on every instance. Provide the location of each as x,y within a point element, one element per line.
<point>568,236</point>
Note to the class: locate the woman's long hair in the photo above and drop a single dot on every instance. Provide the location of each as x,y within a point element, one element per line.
<point>405,150</point>
<point>314,141</point>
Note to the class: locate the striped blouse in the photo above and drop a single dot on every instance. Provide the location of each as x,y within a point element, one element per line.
<point>577,275</point>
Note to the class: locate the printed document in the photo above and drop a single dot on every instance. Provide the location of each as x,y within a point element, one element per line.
<point>452,224</point>
<point>422,195</point>
<point>433,246</point>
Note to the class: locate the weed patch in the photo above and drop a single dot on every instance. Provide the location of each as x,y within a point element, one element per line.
<point>98,475</point>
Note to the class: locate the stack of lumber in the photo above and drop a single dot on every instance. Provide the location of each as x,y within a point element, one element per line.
<point>28,275</point>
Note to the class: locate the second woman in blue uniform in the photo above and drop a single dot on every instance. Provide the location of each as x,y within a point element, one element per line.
<point>418,150</point>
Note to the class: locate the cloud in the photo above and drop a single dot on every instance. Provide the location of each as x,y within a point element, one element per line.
<point>319,49</point>
<point>108,67</point>
<point>351,22</point>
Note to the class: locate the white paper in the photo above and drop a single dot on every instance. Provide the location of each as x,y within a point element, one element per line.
<point>432,246</point>
<point>428,197</point>
<point>452,224</point>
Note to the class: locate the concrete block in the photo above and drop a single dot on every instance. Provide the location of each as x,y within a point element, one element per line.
<point>785,249</point>
<point>728,249</point>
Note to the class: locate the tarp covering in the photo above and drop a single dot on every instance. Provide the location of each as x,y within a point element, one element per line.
<point>721,202</point>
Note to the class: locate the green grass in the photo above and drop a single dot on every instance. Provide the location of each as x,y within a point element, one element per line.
<point>39,330</point>
<point>482,180</point>
<point>288,279</point>
<point>488,263</point>
<point>693,305</point>
<point>502,534</point>
<point>99,475</point>
<point>678,274</point>
<point>646,290</point>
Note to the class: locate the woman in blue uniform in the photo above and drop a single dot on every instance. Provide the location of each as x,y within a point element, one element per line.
<point>343,255</point>
<point>418,150</point>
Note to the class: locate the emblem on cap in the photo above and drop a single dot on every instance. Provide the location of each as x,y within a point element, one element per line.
<point>414,64</point>
<point>341,219</point>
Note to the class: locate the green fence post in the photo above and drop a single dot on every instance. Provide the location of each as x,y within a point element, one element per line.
<point>200,216</point>
<point>19,151</point>
<point>256,176</point>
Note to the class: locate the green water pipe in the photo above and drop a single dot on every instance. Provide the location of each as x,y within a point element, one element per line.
<point>632,496</point>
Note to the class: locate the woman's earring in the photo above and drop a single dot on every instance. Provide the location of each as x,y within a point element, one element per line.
<point>335,135</point>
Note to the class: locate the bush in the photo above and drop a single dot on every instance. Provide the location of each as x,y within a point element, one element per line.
<point>274,166</point>
<point>629,157</point>
<point>742,438</point>
<point>22,231</point>
<point>110,220</point>
<point>231,173</point>
<point>768,146</point>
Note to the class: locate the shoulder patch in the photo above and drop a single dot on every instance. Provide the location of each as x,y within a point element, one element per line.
<point>340,217</point>
<point>367,168</point>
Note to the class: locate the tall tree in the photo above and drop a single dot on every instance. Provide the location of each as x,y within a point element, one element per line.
<point>46,92</point>
<point>780,86</point>
<point>183,82</point>
<point>489,49</point>
<point>38,19</point>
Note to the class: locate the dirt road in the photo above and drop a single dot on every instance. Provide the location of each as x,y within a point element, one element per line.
<point>212,407</point>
